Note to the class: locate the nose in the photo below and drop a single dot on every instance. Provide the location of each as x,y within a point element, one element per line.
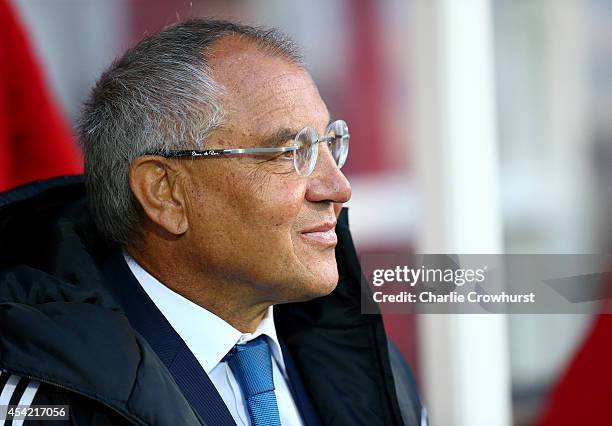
<point>327,182</point>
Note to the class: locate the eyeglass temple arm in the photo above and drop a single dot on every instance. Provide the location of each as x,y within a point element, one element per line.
<point>215,152</point>
<point>235,151</point>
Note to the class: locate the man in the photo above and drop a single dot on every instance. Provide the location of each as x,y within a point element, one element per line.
<point>212,279</point>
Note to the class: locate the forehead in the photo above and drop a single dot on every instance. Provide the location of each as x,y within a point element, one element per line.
<point>264,93</point>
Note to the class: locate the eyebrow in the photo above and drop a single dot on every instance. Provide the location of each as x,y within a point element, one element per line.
<point>278,138</point>
<point>281,136</point>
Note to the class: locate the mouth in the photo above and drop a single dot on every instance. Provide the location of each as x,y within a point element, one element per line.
<point>322,234</point>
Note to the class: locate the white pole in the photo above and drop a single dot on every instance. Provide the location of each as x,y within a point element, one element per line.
<point>464,357</point>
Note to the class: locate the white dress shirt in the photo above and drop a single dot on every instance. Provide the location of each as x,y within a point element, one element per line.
<point>210,338</point>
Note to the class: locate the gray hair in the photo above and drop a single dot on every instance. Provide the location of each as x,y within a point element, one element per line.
<point>157,97</point>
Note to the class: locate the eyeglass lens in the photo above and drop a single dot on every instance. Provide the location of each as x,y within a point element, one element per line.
<point>337,137</point>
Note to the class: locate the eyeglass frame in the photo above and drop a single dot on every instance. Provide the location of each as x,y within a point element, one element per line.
<point>194,153</point>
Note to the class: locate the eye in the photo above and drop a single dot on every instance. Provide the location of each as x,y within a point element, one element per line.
<point>287,155</point>
<point>276,157</point>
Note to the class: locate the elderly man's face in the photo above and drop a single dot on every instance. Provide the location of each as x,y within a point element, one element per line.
<point>252,219</point>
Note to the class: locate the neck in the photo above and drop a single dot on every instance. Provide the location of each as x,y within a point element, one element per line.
<point>237,304</point>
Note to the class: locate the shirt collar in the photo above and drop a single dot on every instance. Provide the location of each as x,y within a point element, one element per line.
<point>267,328</point>
<point>208,337</point>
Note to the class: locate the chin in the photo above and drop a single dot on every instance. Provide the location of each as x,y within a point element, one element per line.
<point>313,277</point>
<point>324,282</point>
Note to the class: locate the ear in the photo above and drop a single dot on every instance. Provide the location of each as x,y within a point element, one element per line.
<point>156,184</point>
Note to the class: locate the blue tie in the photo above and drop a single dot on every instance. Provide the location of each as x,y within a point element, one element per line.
<point>252,366</point>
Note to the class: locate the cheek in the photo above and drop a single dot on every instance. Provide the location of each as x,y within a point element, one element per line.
<point>249,207</point>
<point>274,205</point>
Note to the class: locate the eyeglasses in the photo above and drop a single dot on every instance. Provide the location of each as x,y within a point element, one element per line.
<point>305,151</point>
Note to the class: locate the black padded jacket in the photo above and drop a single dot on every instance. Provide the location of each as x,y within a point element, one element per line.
<point>60,327</point>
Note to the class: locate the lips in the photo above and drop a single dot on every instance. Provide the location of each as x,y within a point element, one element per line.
<point>323,234</point>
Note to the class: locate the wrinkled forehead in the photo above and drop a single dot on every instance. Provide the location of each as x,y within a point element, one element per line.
<point>264,93</point>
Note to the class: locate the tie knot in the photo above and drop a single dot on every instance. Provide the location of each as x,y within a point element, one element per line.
<point>252,366</point>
